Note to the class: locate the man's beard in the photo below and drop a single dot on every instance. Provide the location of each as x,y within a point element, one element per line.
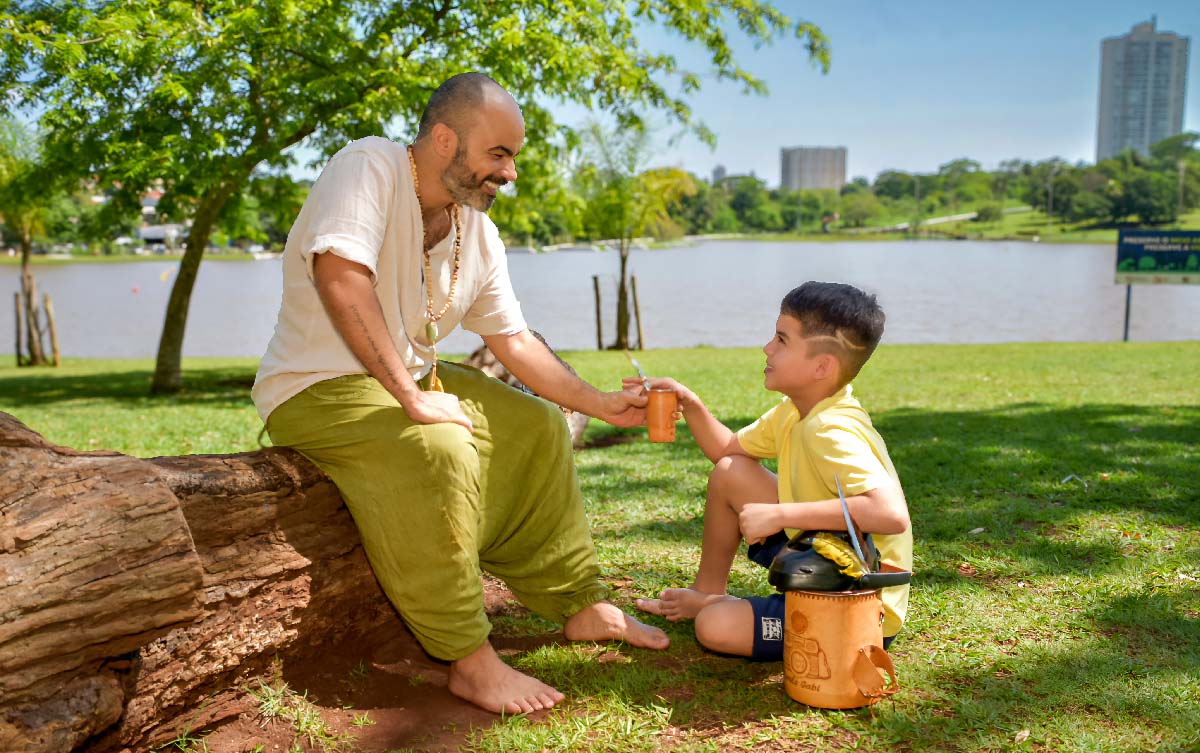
<point>464,188</point>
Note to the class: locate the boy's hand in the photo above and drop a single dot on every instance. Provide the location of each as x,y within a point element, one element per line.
<point>687,398</point>
<point>759,520</point>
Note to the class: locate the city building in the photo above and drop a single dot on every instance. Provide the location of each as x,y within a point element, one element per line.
<point>1143,80</point>
<point>718,174</point>
<point>810,167</point>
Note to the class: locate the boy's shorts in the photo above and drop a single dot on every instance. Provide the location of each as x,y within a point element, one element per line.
<point>769,610</point>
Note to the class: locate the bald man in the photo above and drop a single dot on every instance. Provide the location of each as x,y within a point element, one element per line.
<point>445,470</point>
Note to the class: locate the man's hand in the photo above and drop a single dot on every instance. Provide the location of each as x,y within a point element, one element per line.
<point>759,520</point>
<point>625,408</point>
<point>436,408</point>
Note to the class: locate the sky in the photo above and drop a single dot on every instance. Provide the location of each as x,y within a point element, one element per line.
<point>913,85</point>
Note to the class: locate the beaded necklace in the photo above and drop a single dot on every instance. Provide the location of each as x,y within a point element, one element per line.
<point>431,330</point>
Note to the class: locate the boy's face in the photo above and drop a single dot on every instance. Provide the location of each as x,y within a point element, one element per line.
<point>791,369</point>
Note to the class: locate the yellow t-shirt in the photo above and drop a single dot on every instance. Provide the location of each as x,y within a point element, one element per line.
<point>836,437</point>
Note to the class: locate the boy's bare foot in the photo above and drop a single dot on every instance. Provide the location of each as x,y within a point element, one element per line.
<point>679,603</point>
<point>603,621</point>
<point>486,681</point>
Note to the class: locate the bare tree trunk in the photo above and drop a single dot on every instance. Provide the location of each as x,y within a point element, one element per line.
<point>33,326</point>
<point>48,305</point>
<point>622,342</point>
<point>168,376</point>
<point>18,318</point>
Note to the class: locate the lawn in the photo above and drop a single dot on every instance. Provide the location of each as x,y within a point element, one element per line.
<point>1053,490</point>
<point>1035,225</point>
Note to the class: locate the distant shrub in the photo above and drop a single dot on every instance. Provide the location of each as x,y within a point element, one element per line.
<point>989,213</point>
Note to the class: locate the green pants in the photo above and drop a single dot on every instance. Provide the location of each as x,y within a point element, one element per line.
<point>435,503</point>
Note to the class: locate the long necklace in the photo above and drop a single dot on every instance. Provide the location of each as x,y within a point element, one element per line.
<point>431,319</point>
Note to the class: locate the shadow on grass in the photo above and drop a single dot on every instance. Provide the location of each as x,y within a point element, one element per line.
<point>1028,475</point>
<point>1134,665</point>
<point>200,386</point>
<point>1122,680</point>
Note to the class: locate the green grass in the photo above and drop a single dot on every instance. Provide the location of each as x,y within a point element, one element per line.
<point>39,260</point>
<point>1071,622</point>
<point>1035,224</point>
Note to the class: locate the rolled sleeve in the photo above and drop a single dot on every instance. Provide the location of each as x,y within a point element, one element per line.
<point>352,193</point>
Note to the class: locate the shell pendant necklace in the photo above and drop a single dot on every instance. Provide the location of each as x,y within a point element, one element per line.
<point>431,318</point>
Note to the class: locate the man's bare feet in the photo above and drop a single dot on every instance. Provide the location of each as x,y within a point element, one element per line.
<point>679,603</point>
<point>486,681</point>
<point>603,621</point>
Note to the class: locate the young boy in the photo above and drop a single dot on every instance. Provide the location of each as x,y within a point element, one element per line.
<point>824,334</point>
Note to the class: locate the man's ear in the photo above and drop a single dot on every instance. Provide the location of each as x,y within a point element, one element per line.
<point>445,141</point>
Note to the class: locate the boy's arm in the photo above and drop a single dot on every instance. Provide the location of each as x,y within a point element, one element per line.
<point>714,438</point>
<point>880,510</point>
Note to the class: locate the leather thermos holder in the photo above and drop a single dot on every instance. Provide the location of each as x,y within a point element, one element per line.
<point>833,655</point>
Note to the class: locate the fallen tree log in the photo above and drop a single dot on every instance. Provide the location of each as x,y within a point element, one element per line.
<point>135,595</point>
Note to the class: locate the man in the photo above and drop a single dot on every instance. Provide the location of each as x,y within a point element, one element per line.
<point>390,252</point>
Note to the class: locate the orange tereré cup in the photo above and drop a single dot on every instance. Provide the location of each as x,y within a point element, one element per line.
<point>660,415</point>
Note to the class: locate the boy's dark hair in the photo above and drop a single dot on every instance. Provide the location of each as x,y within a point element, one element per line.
<point>837,319</point>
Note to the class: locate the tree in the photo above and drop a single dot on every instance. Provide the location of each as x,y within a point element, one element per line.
<point>857,208</point>
<point>200,95</point>
<point>25,193</point>
<point>962,179</point>
<point>623,199</point>
<point>749,199</point>
<point>894,185</point>
<point>1004,177</point>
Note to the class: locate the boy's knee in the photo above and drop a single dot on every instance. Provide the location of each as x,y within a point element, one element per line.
<point>723,627</point>
<point>729,469</point>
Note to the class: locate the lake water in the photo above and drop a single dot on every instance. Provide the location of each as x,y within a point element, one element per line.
<point>721,293</point>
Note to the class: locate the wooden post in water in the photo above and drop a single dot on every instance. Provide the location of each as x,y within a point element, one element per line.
<point>599,331</point>
<point>17,319</point>
<point>637,314</point>
<point>53,331</point>
<point>1128,300</point>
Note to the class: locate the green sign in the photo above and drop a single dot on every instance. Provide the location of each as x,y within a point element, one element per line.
<point>1158,257</point>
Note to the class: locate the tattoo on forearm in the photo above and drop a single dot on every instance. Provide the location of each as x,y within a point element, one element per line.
<point>379,356</point>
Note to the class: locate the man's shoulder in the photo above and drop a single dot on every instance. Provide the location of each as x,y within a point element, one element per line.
<point>374,147</point>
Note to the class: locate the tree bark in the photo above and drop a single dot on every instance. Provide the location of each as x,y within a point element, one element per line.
<point>622,341</point>
<point>136,595</point>
<point>168,374</point>
<point>35,351</point>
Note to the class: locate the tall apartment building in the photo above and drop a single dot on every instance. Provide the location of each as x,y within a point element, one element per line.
<point>1143,80</point>
<point>807,167</point>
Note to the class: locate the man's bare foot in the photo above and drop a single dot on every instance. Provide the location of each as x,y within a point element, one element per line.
<point>486,681</point>
<point>679,603</point>
<point>603,621</point>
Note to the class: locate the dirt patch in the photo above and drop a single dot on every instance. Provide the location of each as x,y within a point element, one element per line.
<point>380,692</point>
